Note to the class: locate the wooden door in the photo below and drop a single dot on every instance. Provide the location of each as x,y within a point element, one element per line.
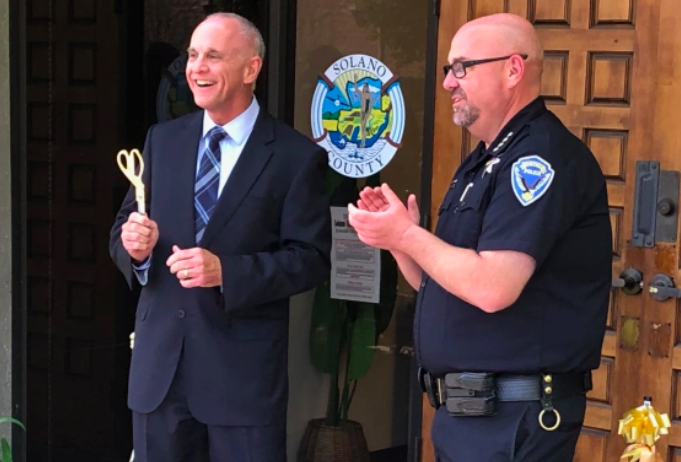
<point>76,365</point>
<point>612,73</point>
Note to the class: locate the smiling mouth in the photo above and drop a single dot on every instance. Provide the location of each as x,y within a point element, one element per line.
<point>204,83</point>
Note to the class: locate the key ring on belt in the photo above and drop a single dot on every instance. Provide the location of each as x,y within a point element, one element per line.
<point>541,420</point>
<point>547,403</point>
<point>129,162</point>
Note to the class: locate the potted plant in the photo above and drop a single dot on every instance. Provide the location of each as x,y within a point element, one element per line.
<point>343,338</point>
<point>4,444</point>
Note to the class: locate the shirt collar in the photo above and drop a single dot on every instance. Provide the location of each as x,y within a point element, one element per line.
<point>526,115</point>
<point>480,154</point>
<point>239,128</point>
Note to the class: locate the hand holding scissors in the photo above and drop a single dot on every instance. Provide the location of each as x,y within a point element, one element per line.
<point>129,162</point>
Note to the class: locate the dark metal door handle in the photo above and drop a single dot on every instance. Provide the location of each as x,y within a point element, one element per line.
<point>630,281</point>
<point>656,205</point>
<point>662,288</point>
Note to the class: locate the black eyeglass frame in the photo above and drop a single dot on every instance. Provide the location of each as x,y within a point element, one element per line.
<point>474,62</point>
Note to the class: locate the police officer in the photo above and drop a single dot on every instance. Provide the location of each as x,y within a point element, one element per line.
<point>513,286</point>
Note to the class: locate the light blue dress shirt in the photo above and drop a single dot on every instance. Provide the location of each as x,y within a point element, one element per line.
<point>238,131</point>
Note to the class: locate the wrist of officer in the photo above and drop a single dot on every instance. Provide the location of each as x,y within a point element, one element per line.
<point>407,238</point>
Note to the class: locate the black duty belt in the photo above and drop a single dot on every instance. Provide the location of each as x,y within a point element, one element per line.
<point>477,393</point>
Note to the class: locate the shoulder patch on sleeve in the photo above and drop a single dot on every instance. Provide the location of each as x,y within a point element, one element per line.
<point>531,177</point>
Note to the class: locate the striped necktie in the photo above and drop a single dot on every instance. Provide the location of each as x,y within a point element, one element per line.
<point>207,181</point>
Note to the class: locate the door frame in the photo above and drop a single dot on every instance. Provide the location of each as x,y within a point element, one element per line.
<point>17,98</point>
<point>415,429</point>
<point>281,59</point>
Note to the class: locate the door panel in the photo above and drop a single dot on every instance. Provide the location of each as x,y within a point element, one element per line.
<point>611,76</point>
<point>72,85</point>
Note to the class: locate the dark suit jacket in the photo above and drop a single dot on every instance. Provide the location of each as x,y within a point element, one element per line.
<point>271,231</point>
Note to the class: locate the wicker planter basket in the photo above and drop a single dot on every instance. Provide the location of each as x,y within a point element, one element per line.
<point>345,443</point>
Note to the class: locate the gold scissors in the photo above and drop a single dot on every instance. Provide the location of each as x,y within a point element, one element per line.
<point>129,162</point>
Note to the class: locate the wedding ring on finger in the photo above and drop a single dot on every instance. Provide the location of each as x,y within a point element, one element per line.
<point>185,274</point>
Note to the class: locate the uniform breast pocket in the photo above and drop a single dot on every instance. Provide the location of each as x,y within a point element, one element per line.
<point>447,202</point>
<point>464,220</point>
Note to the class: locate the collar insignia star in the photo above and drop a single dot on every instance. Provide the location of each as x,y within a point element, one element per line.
<point>502,142</point>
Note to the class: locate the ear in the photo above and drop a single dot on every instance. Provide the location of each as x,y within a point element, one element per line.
<point>516,70</point>
<point>252,69</point>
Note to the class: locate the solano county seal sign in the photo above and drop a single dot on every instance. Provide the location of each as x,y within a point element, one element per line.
<point>358,115</point>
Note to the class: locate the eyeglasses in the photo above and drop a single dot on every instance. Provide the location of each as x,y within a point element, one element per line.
<point>459,67</point>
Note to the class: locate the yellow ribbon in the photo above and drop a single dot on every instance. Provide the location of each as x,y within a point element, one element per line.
<point>641,428</point>
<point>641,453</point>
<point>132,165</point>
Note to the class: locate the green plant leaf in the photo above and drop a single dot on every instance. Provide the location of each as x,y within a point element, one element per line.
<point>325,330</point>
<point>6,451</point>
<point>363,341</point>
<point>11,420</point>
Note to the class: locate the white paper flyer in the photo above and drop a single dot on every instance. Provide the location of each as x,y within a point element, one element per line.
<point>355,266</point>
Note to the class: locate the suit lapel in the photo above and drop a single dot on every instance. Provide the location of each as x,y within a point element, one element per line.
<point>182,170</point>
<point>251,162</point>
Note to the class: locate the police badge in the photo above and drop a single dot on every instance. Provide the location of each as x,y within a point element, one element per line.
<point>490,165</point>
<point>531,177</point>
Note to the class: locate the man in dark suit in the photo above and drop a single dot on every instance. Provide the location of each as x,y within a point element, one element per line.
<point>238,223</point>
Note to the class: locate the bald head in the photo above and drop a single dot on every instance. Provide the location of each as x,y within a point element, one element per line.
<point>500,35</point>
<point>223,63</point>
<point>244,30</point>
<point>495,70</point>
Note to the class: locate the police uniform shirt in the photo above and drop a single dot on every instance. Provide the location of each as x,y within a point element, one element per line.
<point>538,190</point>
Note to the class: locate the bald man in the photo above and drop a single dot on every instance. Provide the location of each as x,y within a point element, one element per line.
<point>238,223</point>
<point>513,285</point>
